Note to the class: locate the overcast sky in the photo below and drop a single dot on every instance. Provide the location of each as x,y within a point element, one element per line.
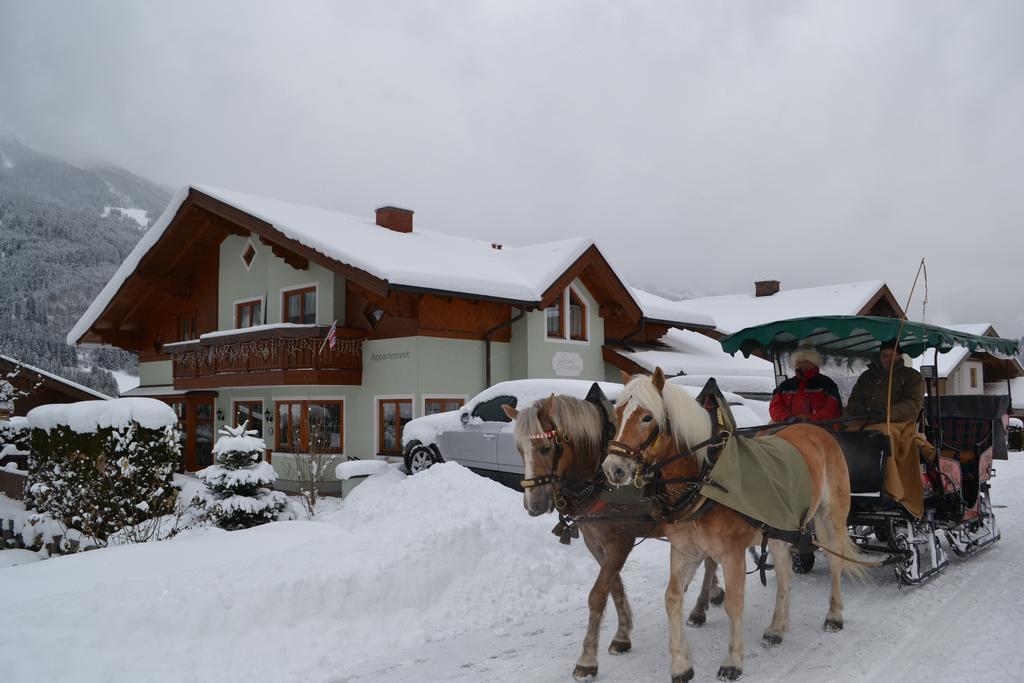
<point>704,145</point>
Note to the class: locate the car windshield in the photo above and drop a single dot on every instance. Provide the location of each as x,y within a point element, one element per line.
<point>490,411</point>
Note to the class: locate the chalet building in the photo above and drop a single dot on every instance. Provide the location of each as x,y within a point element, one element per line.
<point>229,297</point>
<point>961,372</point>
<point>32,387</point>
<point>698,356</point>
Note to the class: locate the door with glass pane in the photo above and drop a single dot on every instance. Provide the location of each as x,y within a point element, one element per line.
<point>203,433</point>
<point>392,416</point>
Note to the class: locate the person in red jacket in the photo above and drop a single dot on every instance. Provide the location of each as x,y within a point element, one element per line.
<point>808,395</point>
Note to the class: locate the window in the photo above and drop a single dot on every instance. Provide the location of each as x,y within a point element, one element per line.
<point>320,422</point>
<point>392,416</point>
<point>432,406</point>
<point>187,327</point>
<point>491,411</point>
<point>249,313</point>
<point>974,378</point>
<point>577,317</point>
<point>299,306</point>
<point>553,319</point>
<point>251,412</point>
<point>248,254</point>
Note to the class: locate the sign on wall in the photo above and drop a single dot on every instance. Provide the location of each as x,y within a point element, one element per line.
<point>567,364</point>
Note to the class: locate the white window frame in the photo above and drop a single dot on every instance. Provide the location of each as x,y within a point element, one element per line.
<point>377,398</point>
<point>566,320</point>
<point>289,288</point>
<point>309,399</point>
<point>241,254</point>
<point>424,397</point>
<point>234,309</point>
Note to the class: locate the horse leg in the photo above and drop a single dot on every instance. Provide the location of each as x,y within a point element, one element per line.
<point>681,570</point>
<point>734,568</point>
<point>699,614</point>
<point>586,665</point>
<point>834,537</point>
<point>621,644</point>
<point>783,577</point>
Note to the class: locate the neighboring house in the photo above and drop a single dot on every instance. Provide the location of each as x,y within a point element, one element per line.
<point>734,312</point>
<point>697,356</point>
<point>33,387</point>
<point>961,372</point>
<point>228,298</point>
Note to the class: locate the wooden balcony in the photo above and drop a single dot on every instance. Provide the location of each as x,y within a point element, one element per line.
<point>268,355</point>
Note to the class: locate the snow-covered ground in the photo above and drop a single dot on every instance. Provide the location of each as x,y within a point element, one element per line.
<point>443,577</point>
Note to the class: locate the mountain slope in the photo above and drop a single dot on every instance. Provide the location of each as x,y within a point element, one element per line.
<point>59,244</point>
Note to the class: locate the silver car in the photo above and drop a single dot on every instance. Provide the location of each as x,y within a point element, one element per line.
<point>479,434</point>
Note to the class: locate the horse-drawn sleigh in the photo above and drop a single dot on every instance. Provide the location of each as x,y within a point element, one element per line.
<point>678,455</point>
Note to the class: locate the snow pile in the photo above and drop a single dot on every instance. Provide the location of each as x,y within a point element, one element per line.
<point>85,417</point>
<point>405,562</point>
<point>360,468</point>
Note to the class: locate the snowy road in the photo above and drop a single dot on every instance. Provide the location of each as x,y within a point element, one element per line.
<point>443,577</point>
<point>962,626</point>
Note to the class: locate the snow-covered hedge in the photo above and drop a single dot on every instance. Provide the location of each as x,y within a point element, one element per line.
<point>100,466</point>
<point>14,437</point>
<point>240,482</point>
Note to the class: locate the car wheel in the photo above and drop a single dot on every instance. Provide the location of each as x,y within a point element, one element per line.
<point>420,458</point>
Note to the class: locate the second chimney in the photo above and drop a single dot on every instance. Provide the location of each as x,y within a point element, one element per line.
<point>766,287</point>
<point>394,218</point>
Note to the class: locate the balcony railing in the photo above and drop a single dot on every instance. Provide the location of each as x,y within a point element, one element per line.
<point>268,355</point>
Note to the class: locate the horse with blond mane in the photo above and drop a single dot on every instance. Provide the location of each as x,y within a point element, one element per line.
<point>662,428</point>
<point>562,442</point>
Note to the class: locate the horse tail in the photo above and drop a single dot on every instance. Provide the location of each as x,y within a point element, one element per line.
<point>849,558</point>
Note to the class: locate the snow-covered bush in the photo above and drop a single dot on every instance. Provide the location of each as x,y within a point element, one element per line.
<point>240,482</point>
<point>100,466</point>
<point>14,438</point>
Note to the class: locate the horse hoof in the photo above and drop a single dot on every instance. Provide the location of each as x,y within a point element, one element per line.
<point>718,597</point>
<point>729,673</point>
<point>619,647</point>
<point>697,620</point>
<point>683,677</point>
<point>833,626</point>
<point>584,673</point>
<point>771,639</point>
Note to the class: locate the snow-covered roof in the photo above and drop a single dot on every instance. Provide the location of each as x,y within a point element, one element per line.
<point>659,308</point>
<point>950,361</point>
<point>85,417</point>
<point>422,259</point>
<point>693,353</point>
<point>734,312</point>
<point>56,378</point>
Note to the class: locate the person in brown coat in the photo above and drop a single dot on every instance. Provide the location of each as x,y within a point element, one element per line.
<point>869,399</point>
<point>870,394</point>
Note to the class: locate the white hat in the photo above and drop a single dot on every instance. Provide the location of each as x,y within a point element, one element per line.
<point>807,353</point>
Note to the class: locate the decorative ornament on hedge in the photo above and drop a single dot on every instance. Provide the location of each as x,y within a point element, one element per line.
<point>240,482</point>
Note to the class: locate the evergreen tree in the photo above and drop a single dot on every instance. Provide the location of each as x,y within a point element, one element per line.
<point>239,482</point>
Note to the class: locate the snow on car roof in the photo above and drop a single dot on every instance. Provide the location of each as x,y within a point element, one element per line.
<point>527,391</point>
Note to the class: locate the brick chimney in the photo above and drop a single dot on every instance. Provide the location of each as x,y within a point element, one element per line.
<point>766,287</point>
<point>394,218</point>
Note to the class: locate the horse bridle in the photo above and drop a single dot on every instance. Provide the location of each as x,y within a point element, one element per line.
<point>647,471</point>
<point>560,440</point>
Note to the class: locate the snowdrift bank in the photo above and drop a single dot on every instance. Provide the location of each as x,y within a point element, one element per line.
<point>406,560</point>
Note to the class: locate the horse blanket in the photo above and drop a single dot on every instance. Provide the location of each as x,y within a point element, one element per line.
<point>764,478</point>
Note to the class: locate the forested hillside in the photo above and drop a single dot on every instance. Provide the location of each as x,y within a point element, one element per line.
<point>62,235</point>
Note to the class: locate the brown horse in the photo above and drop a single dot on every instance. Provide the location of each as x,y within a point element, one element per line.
<point>560,439</point>
<point>655,421</point>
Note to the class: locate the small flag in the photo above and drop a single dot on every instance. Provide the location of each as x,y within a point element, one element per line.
<point>331,338</point>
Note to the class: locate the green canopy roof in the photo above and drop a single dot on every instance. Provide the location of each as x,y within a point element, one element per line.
<point>858,335</point>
